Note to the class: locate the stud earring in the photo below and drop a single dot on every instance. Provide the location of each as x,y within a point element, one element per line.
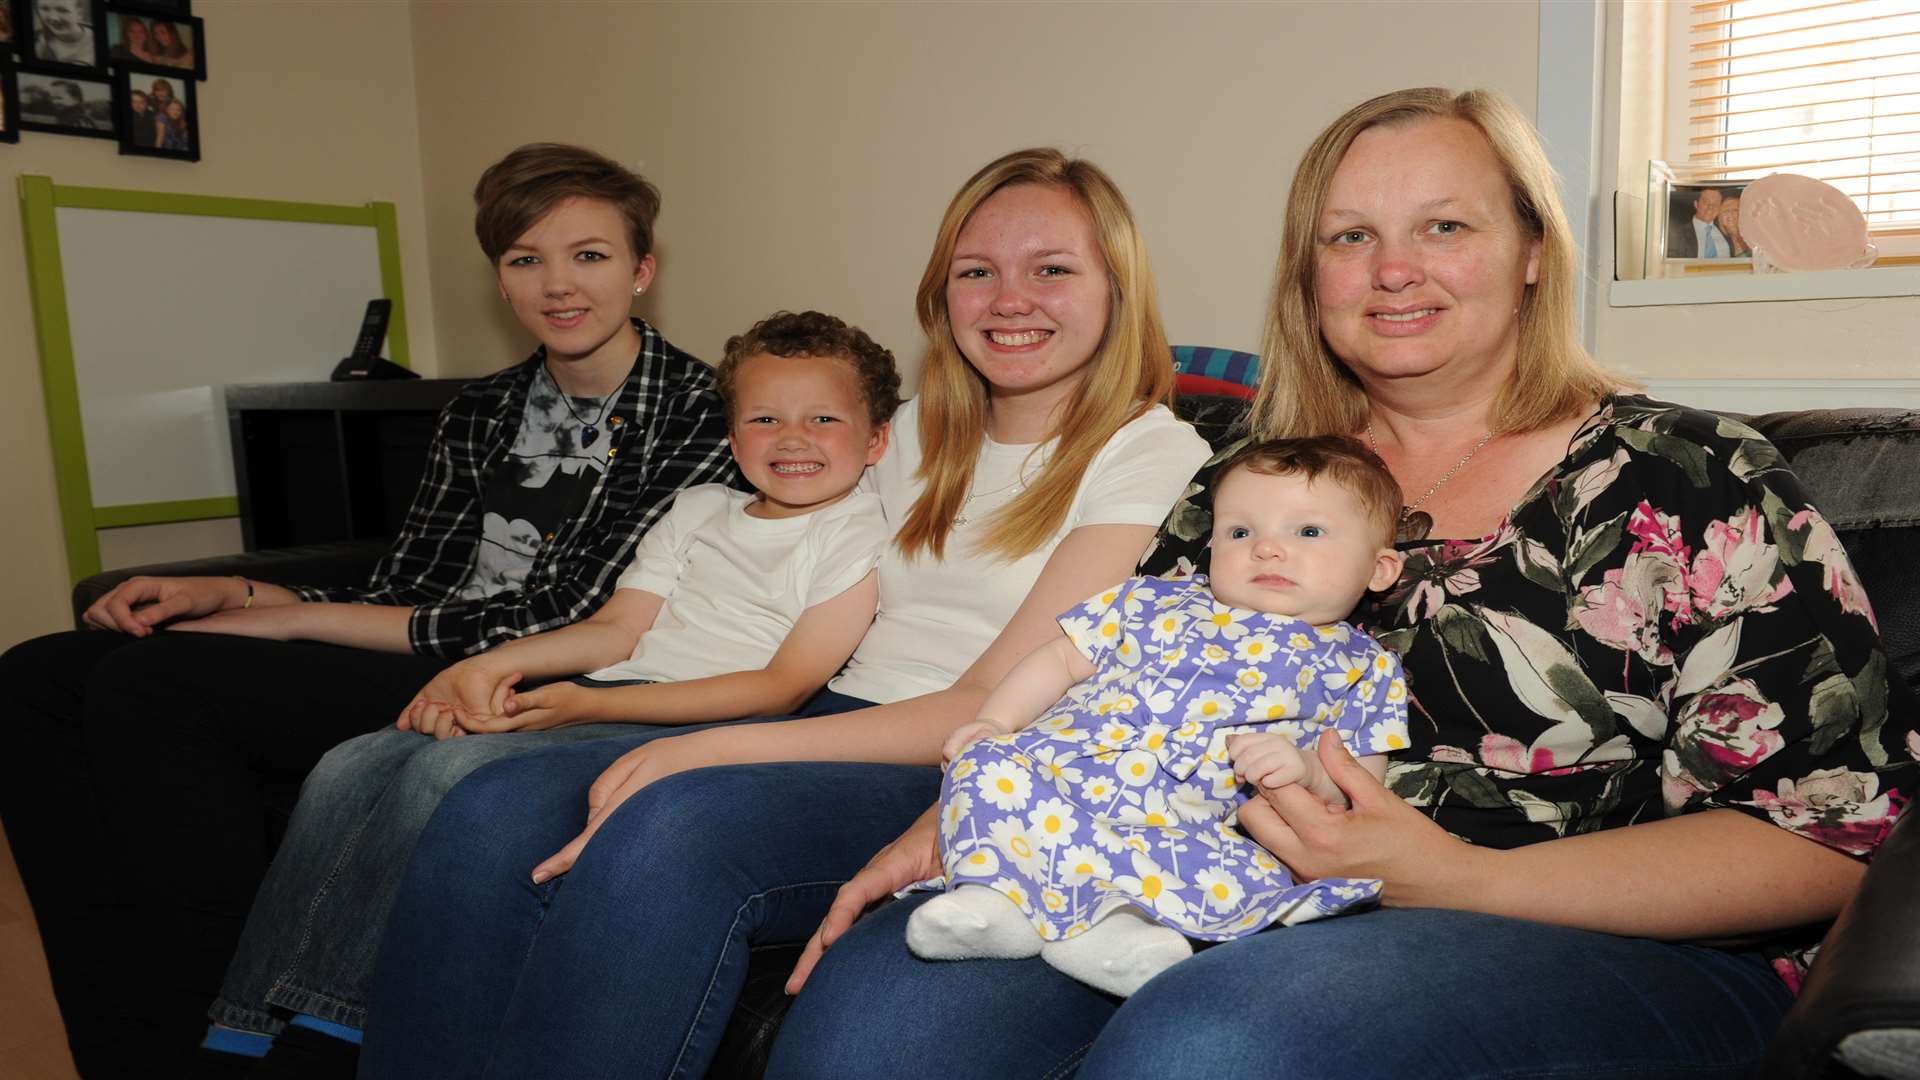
<point>638,289</point>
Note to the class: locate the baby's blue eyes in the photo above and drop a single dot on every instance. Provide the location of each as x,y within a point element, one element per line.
<point>1241,532</point>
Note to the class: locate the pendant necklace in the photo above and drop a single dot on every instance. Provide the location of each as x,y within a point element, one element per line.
<point>589,433</point>
<point>1416,523</point>
<point>961,519</point>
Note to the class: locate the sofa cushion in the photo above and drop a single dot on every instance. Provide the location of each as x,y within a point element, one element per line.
<point>1862,467</point>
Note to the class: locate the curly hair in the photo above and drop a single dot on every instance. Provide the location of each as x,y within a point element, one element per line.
<point>519,189</point>
<point>1340,459</point>
<point>815,333</point>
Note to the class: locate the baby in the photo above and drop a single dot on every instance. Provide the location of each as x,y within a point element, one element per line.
<point>1102,835</point>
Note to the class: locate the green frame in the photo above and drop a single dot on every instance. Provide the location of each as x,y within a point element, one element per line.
<point>80,519</point>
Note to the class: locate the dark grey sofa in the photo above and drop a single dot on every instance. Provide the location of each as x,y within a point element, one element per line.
<point>1860,1010</point>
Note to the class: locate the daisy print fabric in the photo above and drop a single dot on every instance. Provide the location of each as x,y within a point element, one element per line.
<point>1663,624</point>
<point>1123,792</point>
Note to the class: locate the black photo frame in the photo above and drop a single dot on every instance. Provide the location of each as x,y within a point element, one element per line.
<point>40,47</point>
<point>157,7</point>
<point>139,132</point>
<point>9,102</point>
<point>47,102</point>
<point>10,27</point>
<point>188,32</point>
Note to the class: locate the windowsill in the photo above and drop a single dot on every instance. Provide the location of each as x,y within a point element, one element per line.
<point>1732,288</point>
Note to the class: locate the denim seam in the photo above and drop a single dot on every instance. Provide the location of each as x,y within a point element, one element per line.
<point>282,982</point>
<point>713,977</point>
<point>318,1003</point>
<point>244,1018</point>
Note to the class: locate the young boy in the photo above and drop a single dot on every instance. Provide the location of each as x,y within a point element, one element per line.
<point>735,604</point>
<point>1101,835</point>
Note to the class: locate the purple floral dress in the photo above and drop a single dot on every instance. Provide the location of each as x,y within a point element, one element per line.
<point>1123,793</point>
<point>1662,625</point>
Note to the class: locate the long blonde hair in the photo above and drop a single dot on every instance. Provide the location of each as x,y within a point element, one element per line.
<point>1306,390</point>
<point>1131,369</point>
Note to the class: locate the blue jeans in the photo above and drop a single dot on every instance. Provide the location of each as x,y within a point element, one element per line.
<point>1389,993</point>
<point>310,938</point>
<point>628,966</point>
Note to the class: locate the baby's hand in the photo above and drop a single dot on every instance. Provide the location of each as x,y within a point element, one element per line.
<point>1268,761</point>
<point>966,736</point>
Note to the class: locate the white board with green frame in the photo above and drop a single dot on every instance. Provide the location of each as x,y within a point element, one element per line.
<point>146,303</point>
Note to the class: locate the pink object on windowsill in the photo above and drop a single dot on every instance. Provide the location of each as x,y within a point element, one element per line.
<point>1796,223</point>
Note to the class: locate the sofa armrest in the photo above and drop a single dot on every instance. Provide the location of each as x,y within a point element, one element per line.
<point>346,563</point>
<point>1863,995</point>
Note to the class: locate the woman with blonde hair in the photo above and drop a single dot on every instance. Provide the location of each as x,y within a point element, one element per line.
<point>1028,473</point>
<point>1631,800</point>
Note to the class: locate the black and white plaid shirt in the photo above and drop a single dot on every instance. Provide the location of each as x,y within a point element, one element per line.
<point>668,431</point>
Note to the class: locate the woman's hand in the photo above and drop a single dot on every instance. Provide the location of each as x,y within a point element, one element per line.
<point>1380,836</point>
<point>460,695</point>
<point>138,604</point>
<point>632,771</point>
<point>914,856</point>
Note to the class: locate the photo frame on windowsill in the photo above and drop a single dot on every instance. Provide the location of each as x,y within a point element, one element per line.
<point>159,113</point>
<point>1693,221</point>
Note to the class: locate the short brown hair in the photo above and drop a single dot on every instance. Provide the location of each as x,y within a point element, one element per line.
<point>815,333</point>
<point>1337,458</point>
<point>1305,389</point>
<point>521,188</point>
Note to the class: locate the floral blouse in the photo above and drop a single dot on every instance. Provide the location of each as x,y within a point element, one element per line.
<point>1663,624</point>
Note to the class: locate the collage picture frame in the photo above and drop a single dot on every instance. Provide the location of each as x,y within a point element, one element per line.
<point>125,72</point>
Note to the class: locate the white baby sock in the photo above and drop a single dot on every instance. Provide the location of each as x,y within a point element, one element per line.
<point>969,922</point>
<point>1119,953</point>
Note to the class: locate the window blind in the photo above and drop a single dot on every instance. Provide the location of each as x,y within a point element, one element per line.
<point>1824,88</point>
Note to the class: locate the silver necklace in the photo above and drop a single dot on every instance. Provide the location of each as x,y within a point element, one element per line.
<point>588,432</point>
<point>961,519</point>
<point>1414,522</point>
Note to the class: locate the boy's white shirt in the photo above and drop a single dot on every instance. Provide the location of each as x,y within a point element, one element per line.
<point>734,584</point>
<point>936,618</point>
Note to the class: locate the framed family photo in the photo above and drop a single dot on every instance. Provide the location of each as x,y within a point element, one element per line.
<point>9,21</point>
<point>62,33</point>
<point>1693,220</point>
<point>64,103</point>
<point>159,113</point>
<point>170,42</point>
<point>9,102</point>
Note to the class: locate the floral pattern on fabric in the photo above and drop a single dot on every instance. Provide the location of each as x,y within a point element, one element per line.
<point>1663,624</point>
<point>1123,793</point>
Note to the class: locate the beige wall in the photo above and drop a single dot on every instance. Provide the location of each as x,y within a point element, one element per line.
<point>806,151</point>
<point>308,100</point>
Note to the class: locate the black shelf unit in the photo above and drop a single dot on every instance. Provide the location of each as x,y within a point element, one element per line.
<point>319,463</point>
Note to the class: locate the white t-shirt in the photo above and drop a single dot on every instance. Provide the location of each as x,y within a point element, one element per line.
<point>736,584</point>
<point>936,618</point>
